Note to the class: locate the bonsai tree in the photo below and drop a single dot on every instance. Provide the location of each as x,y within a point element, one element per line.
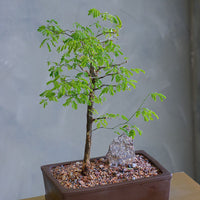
<point>87,72</point>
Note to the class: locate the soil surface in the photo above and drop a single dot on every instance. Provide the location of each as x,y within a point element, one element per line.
<point>101,173</point>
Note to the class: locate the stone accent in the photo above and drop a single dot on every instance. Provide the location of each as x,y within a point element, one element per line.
<point>121,151</point>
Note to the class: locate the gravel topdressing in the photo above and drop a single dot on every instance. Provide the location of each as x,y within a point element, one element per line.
<point>101,173</point>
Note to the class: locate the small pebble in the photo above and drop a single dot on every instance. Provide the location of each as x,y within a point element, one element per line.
<point>101,159</point>
<point>134,165</point>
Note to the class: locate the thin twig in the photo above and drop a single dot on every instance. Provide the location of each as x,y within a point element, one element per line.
<point>138,108</point>
<point>102,42</point>
<point>68,31</point>
<point>126,122</point>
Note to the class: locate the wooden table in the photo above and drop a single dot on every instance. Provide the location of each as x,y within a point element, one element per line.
<point>182,188</point>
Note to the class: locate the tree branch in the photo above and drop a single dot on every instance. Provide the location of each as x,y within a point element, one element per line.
<point>113,65</point>
<point>57,32</point>
<point>98,118</point>
<point>84,70</point>
<point>104,33</point>
<point>104,85</point>
<point>66,34</point>
<point>106,75</point>
<point>75,95</point>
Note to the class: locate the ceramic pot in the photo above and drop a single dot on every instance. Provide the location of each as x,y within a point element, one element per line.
<point>151,188</point>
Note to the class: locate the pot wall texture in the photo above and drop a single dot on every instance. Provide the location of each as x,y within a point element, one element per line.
<point>155,37</point>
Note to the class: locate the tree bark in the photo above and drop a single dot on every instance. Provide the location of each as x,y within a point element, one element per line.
<point>86,160</point>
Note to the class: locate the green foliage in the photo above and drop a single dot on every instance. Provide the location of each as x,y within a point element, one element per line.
<point>89,52</point>
<point>155,95</point>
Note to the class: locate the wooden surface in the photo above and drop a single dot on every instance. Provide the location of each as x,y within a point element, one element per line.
<point>182,188</point>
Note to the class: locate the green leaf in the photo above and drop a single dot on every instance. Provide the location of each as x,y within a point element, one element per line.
<point>43,94</point>
<point>117,78</point>
<point>74,105</point>
<point>125,126</point>
<point>137,114</point>
<point>45,104</point>
<point>111,91</point>
<point>42,43</point>
<point>49,82</point>
<point>111,115</point>
<point>79,75</point>
<point>94,12</point>
<point>146,119</point>
<point>49,47</point>
<point>61,92</point>
<point>148,114</point>
<point>137,70</point>
<point>99,125</point>
<point>117,132</point>
<point>105,122</point>
<point>133,85</point>
<point>67,102</point>
<point>138,130</point>
<point>155,114</point>
<point>153,96</point>
<point>41,28</point>
<point>114,20</point>
<point>118,88</point>
<point>119,21</point>
<point>124,117</point>
<point>160,95</point>
<point>53,98</point>
<point>49,93</point>
<point>124,130</point>
<point>54,21</point>
<point>131,133</point>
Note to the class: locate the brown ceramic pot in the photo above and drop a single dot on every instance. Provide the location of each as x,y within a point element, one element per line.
<point>151,188</point>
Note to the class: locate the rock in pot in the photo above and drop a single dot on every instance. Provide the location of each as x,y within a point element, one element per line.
<point>121,151</point>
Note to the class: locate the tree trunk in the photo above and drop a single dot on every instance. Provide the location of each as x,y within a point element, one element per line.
<point>86,160</point>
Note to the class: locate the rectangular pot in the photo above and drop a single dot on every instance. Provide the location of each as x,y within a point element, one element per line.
<point>151,188</point>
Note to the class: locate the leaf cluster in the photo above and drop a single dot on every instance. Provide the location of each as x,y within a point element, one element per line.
<point>89,52</point>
